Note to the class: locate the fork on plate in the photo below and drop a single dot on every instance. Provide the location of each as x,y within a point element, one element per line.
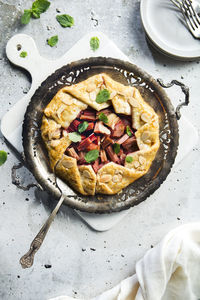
<point>190,15</point>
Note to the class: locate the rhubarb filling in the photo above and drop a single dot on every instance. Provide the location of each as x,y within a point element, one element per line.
<point>111,135</point>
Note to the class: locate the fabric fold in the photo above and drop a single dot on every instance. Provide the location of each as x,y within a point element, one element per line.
<point>170,271</point>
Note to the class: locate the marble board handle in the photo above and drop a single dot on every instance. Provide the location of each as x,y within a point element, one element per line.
<point>33,62</point>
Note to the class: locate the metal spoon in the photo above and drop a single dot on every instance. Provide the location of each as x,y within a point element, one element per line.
<point>27,260</point>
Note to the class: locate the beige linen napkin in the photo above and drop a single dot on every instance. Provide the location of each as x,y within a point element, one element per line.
<point>170,271</point>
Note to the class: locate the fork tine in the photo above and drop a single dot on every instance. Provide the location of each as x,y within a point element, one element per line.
<point>187,20</point>
<point>188,17</point>
<point>176,2</point>
<point>188,7</point>
<point>189,3</point>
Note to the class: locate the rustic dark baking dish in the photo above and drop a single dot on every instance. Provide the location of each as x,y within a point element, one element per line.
<point>36,155</point>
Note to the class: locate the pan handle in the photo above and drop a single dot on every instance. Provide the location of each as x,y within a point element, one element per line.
<point>185,91</point>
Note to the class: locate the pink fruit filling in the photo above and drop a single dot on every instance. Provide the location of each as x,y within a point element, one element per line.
<point>102,134</point>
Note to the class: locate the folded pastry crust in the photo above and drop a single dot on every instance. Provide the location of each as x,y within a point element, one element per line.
<point>66,106</point>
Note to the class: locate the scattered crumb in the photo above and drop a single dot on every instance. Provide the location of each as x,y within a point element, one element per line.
<point>92,249</point>
<point>47,266</point>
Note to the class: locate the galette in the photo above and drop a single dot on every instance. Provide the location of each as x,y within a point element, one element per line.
<point>100,135</point>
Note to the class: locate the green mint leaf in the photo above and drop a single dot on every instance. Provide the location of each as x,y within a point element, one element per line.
<point>103,118</point>
<point>74,137</point>
<point>83,126</point>
<point>103,96</point>
<point>25,18</point>
<point>94,43</point>
<point>35,14</point>
<point>65,20</point>
<point>128,131</point>
<point>52,41</point>
<point>91,155</point>
<point>23,54</point>
<point>129,159</point>
<point>116,148</point>
<point>40,6</point>
<point>3,157</point>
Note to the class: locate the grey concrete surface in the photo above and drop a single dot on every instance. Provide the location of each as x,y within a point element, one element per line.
<point>76,269</point>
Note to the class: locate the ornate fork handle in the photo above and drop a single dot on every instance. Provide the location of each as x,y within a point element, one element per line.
<point>26,261</point>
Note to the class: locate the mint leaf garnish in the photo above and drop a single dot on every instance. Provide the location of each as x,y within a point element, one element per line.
<point>3,157</point>
<point>128,131</point>
<point>83,126</point>
<point>74,137</point>
<point>52,41</point>
<point>23,54</point>
<point>94,43</point>
<point>116,148</point>
<point>25,18</point>
<point>65,20</point>
<point>39,7</point>
<point>129,159</point>
<point>103,118</point>
<point>103,96</point>
<point>91,155</point>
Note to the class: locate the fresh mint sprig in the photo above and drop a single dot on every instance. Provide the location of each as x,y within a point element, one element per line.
<point>23,54</point>
<point>38,7</point>
<point>103,96</point>
<point>65,20</point>
<point>74,137</point>
<point>94,43</point>
<point>3,157</point>
<point>52,41</point>
<point>91,155</point>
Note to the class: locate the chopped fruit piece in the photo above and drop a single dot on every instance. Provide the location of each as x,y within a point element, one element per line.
<point>75,124</point>
<point>122,139</point>
<point>97,141</point>
<point>83,137</point>
<point>70,129</point>
<point>122,158</point>
<point>106,142</point>
<point>88,115</point>
<point>84,144</point>
<point>103,156</point>
<point>71,152</point>
<point>90,126</point>
<point>100,128</point>
<point>93,137</point>
<point>112,154</point>
<point>92,146</point>
<point>113,119</point>
<point>106,112</point>
<point>96,165</point>
<point>130,144</point>
<point>81,159</point>
<point>127,121</point>
<point>118,130</point>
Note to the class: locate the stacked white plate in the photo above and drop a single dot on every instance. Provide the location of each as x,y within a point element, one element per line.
<point>165,27</point>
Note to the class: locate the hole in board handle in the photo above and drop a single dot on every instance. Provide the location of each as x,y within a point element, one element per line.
<point>19,47</point>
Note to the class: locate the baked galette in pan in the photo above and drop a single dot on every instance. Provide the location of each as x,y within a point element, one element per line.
<point>100,134</point>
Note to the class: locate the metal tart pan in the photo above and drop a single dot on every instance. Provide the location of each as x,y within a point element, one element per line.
<point>129,74</point>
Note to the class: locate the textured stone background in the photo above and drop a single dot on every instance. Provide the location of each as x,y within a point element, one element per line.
<point>73,271</point>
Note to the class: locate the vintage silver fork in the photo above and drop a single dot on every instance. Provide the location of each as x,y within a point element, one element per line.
<point>191,17</point>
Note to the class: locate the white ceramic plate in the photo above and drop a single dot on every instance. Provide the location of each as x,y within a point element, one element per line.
<point>165,27</point>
